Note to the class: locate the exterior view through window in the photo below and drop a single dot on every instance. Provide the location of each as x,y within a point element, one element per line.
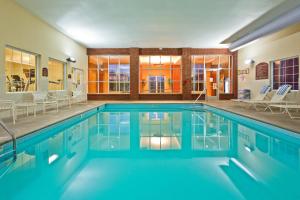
<point>20,70</point>
<point>286,71</point>
<point>160,74</point>
<point>109,74</point>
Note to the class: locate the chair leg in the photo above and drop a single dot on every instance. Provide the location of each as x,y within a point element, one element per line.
<point>34,111</point>
<point>57,107</point>
<point>13,113</point>
<point>44,108</point>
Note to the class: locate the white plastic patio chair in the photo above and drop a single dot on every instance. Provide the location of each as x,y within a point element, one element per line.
<point>43,99</point>
<point>9,105</point>
<point>61,97</point>
<point>79,97</point>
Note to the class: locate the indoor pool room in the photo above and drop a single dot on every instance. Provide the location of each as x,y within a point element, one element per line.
<point>154,151</point>
<point>149,100</point>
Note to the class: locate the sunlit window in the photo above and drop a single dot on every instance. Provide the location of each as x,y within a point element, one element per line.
<point>109,74</point>
<point>56,74</point>
<point>212,73</point>
<point>20,70</point>
<point>160,74</point>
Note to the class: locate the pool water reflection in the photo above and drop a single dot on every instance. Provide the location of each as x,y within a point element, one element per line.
<point>156,153</point>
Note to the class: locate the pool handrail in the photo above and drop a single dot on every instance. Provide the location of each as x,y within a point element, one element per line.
<point>12,135</point>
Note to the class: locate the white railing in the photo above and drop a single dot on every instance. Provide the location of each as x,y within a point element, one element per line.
<point>13,138</point>
<point>201,93</point>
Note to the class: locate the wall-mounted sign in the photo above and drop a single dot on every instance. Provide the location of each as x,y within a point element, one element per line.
<point>262,71</point>
<point>243,71</point>
<point>45,72</point>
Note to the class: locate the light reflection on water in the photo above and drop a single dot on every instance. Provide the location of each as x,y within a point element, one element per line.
<point>113,155</point>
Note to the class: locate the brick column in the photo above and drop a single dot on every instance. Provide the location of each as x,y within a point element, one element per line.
<point>235,74</point>
<point>186,74</point>
<point>134,73</point>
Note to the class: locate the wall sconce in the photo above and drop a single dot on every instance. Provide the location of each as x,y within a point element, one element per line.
<point>249,61</point>
<point>71,59</point>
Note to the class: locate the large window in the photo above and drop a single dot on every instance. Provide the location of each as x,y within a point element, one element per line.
<point>213,73</point>
<point>286,71</point>
<point>109,74</point>
<point>56,75</point>
<point>20,70</point>
<point>160,74</point>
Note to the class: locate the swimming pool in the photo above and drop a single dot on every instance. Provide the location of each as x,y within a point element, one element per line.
<point>154,151</point>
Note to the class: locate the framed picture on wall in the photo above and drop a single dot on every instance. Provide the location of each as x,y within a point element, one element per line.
<point>45,72</point>
<point>262,71</point>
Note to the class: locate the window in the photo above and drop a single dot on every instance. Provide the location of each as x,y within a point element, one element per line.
<point>197,74</point>
<point>109,74</point>
<point>285,71</point>
<point>20,70</point>
<point>225,74</point>
<point>213,73</point>
<point>160,74</point>
<point>56,75</point>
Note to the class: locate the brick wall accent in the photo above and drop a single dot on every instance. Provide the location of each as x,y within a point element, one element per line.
<point>108,51</point>
<point>163,51</point>
<point>186,74</point>
<point>134,73</point>
<point>195,51</point>
<point>235,73</point>
<point>185,53</point>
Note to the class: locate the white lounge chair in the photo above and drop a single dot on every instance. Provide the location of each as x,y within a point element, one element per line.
<point>263,92</point>
<point>9,105</point>
<point>79,97</point>
<point>277,98</point>
<point>44,99</point>
<point>61,97</point>
<point>287,107</point>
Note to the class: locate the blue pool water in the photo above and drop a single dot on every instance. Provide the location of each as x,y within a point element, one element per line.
<point>154,151</point>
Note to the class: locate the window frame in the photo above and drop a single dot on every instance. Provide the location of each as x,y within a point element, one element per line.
<point>37,69</point>
<point>230,70</point>
<point>98,81</point>
<point>64,73</point>
<point>170,69</point>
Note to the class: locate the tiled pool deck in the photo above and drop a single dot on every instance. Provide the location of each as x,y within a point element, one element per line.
<point>29,124</point>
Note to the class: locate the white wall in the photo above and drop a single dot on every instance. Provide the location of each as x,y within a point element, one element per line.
<point>21,29</point>
<point>283,44</point>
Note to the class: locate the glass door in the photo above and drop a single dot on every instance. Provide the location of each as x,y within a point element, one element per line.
<point>212,76</point>
<point>156,84</point>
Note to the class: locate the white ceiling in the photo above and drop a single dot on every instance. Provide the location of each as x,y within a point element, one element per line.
<point>149,23</point>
